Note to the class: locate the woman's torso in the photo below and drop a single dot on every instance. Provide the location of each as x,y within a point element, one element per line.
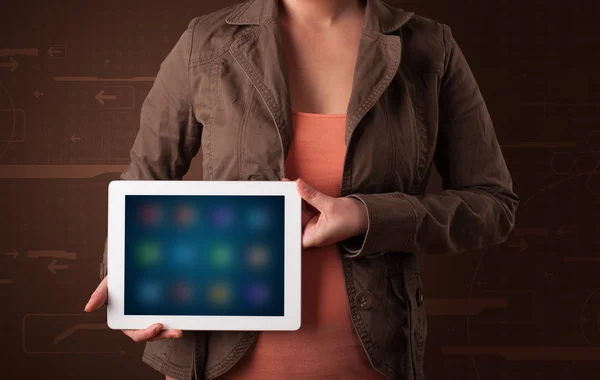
<point>239,97</point>
<point>320,64</point>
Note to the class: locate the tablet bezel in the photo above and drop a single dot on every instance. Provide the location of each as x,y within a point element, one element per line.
<point>118,189</point>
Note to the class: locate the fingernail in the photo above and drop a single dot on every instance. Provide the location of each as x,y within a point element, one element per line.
<point>157,329</point>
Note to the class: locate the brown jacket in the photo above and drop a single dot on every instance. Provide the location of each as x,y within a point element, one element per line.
<point>414,104</point>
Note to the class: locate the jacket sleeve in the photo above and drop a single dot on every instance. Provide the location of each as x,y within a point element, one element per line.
<point>169,135</point>
<point>477,205</point>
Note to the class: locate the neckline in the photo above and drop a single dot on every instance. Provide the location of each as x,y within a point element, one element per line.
<point>318,115</point>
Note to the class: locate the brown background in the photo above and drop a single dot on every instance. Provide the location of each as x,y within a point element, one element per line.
<point>74,73</point>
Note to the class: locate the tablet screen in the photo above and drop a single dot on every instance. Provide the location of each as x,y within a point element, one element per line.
<point>204,255</point>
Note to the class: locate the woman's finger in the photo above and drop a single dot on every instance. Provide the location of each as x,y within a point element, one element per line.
<point>167,334</point>
<point>308,213</point>
<point>311,235</point>
<point>99,297</point>
<point>146,334</point>
<point>314,197</point>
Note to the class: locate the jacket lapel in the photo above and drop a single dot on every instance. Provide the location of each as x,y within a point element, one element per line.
<point>378,60</point>
<point>259,53</point>
<point>377,63</point>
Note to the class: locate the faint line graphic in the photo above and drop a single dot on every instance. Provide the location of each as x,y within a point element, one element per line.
<point>96,79</point>
<point>14,253</point>
<point>582,259</point>
<point>458,306</point>
<point>520,231</point>
<point>562,162</point>
<point>566,230</point>
<point>528,353</point>
<point>559,104</point>
<point>14,121</point>
<point>58,171</point>
<point>60,334</point>
<point>593,143</point>
<point>593,183</point>
<point>12,64</point>
<point>541,145</point>
<point>53,266</point>
<point>590,318</point>
<point>57,51</point>
<point>17,118</point>
<point>100,97</point>
<point>520,243</point>
<point>96,159</point>
<point>110,97</point>
<point>559,182</point>
<point>473,282</point>
<point>52,254</point>
<point>82,326</point>
<point>19,51</point>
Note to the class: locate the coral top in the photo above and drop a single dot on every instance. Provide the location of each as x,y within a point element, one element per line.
<point>326,345</point>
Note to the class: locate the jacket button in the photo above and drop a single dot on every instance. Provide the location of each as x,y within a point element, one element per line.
<point>364,300</point>
<point>420,297</point>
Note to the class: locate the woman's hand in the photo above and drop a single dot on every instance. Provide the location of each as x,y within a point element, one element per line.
<point>151,333</point>
<point>327,220</point>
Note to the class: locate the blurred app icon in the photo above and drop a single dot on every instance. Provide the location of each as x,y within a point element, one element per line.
<point>184,215</point>
<point>220,294</point>
<point>148,253</point>
<point>258,294</point>
<point>221,256</point>
<point>257,256</point>
<point>182,292</point>
<point>223,217</point>
<point>149,292</point>
<point>149,214</point>
<point>258,218</point>
<point>184,255</point>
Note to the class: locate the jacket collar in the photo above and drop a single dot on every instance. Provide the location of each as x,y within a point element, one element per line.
<point>379,16</point>
<point>262,59</point>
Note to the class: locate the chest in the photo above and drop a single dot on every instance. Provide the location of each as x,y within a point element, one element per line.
<point>320,67</point>
<point>246,108</point>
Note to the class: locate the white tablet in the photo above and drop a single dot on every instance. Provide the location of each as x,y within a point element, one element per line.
<point>204,255</point>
